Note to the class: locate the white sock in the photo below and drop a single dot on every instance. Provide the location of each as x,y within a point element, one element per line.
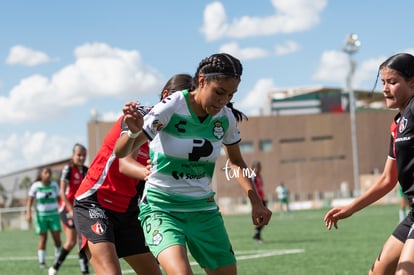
<point>402,214</point>
<point>57,251</point>
<point>41,254</point>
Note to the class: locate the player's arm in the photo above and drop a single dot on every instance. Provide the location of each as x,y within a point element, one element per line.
<point>260,214</point>
<point>379,189</point>
<point>134,137</point>
<point>62,194</point>
<point>29,204</point>
<point>130,167</point>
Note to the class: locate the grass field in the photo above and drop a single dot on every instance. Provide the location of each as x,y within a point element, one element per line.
<point>296,244</point>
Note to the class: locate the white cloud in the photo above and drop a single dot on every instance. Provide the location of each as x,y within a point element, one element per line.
<point>110,116</point>
<point>334,68</point>
<point>366,73</point>
<point>33,149</point>
<point>286,48</point>
<point>25,56</point>
<point>245,53</point>
<point>290,16</point>
<point>257,100</point>
<point>98,71</point>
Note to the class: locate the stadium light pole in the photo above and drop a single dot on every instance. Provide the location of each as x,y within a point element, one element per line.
<point>351,47</point>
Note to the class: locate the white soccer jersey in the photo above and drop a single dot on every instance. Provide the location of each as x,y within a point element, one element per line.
<point>183,149</point>
<point>45,197</point>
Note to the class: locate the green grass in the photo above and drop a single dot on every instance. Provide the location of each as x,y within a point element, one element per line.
<point>295,244</point>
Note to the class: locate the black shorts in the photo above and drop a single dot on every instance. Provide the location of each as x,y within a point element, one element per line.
<point>66,219</point>
<point>97,224</point>
<point>405,230</point>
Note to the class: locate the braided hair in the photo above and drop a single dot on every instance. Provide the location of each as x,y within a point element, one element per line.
<point>221,65</point>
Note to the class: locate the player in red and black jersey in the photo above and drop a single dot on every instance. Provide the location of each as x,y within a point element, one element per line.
<point>106,204</point>
<point>396,256</point>
<point>70,180</point>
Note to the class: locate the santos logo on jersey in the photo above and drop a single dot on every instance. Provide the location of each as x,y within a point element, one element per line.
<point>177,175</point>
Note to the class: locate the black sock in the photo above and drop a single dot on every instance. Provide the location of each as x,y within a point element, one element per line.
<point>61,258</point>
<point>257,233</point>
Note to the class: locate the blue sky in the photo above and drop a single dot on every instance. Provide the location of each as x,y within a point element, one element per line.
<point>61,59</point>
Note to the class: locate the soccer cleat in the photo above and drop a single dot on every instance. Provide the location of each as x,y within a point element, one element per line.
<point>52,271</point>
<point>42,265</point>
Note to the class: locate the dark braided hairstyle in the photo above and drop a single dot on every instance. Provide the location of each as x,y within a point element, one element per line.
<point>402,63</point>
<point>221,65</point>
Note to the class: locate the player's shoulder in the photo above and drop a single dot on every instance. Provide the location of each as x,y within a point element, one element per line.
<point>171,103</point>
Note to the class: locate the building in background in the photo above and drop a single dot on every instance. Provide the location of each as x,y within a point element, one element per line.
<point>305,142</point>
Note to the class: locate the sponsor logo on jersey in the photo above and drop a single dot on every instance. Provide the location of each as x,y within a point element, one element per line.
<point>157,125</point>
<point>180,126</point>
<point>97,213</point>
<point>403,124</point>
<point>188,176</point>
<point>99,228</point>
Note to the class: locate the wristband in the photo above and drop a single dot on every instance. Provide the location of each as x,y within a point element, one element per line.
<point>132,135</point>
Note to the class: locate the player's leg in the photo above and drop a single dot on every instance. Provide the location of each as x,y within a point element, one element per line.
<point>55,229</point>
<point>406,262</point>
<point>164,235</point>
<point>41,249</point>
<point>174,260</point>
<point>225,270</point>
<point>209,244</point>
<point>96,236</point>
<point>71,238</point>
<point>104,259</point>
<point>41,231</point>
<point>386,262</point>
<point>130,244</point>
<point>143,263</point>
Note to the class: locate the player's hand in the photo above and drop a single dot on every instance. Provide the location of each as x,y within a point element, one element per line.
<point>334,215</point>
<point>148,169</point>
<point>261,215</point>
<point>132,117</point>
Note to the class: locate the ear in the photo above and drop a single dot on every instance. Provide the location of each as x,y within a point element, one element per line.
<point>164,94</point>
<point>201,80</point>
<point>411,83</point>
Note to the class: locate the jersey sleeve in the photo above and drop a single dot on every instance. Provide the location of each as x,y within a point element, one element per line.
<point>56,186</point>
<point>393,131</point>
<point>160,115</point>
<point>32,190</point>
<point>232,136</point>
<point>65,175</point>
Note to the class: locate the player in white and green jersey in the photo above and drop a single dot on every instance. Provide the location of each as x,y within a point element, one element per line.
<point>184,152</point>
<point>187,131</point>
<point>44,194</point>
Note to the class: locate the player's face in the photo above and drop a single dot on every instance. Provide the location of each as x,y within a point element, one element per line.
<point>397,91</point>
<point>79,156</point>
<point>45,175</point>
<point>217,93</point>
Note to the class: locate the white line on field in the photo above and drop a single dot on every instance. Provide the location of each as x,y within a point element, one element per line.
<point>246,255</point>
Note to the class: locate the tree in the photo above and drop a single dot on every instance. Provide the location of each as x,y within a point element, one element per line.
<point>25,183</point>
<point>3,193</point>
